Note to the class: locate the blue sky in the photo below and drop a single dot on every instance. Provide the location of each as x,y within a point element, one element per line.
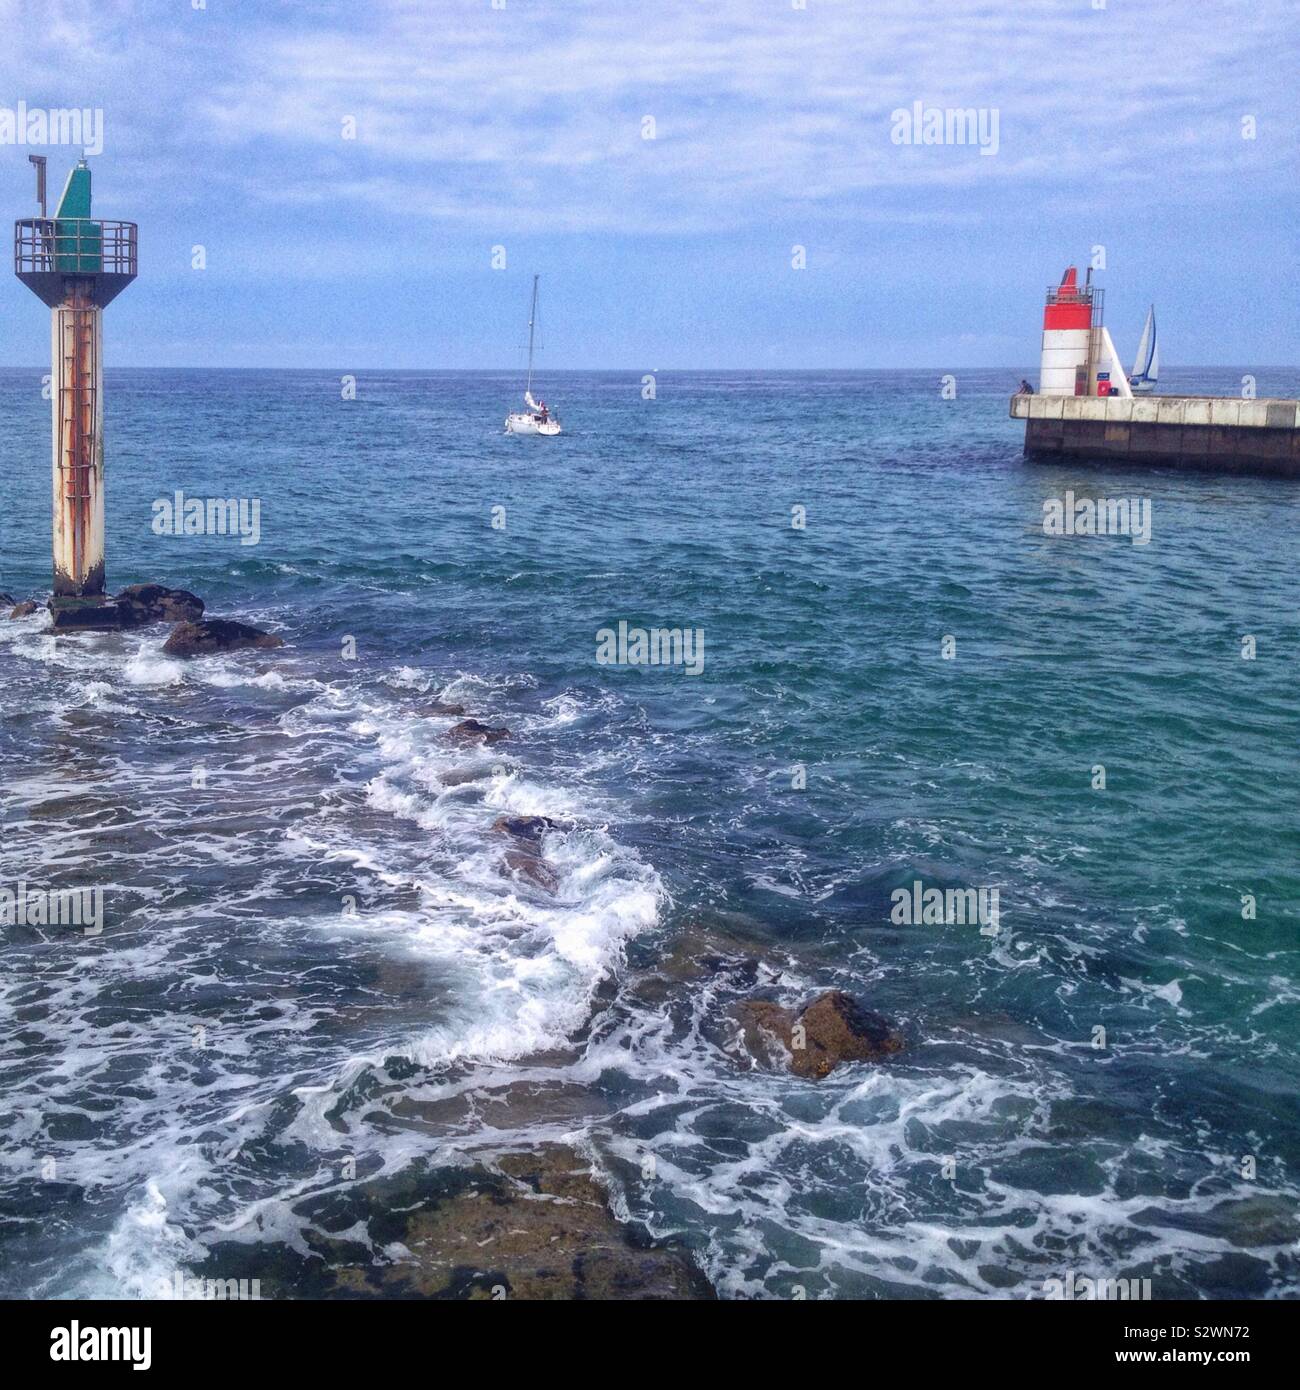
<point>522,127</point>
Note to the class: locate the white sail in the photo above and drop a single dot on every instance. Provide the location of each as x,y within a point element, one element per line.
<point>1144,346</point>
<point>1119,384</point>
<point>1153,371</point>
<point>529,402</point>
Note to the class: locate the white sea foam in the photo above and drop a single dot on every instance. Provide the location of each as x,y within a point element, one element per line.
<point>148,667</point>
<point>527,963</point>
<point>833,1186</point>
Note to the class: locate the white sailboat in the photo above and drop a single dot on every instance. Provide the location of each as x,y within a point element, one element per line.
<point>1146,368</point>
<point>537,419</point>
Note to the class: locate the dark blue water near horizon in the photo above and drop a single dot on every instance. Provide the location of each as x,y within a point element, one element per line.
<point>311,955</point>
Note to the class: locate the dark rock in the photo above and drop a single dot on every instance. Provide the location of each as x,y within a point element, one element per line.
<point>24,609</point>
<point>839,1029</point>
<point>154,603</point>
<point>565,1220</point>
<point>216,635</point>
<point>527,828</point>
<point>529,865</point>
<point>7,600</point>
<point>471,731</point>
<point>438,707</point>
<point>832,1028</point>
<point>536,1226</point>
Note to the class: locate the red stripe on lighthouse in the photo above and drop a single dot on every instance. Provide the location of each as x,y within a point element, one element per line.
<point>1068,315</point>
<point>1068,307</point>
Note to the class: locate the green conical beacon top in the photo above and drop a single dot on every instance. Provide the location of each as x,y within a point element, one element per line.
<point>79,241</point>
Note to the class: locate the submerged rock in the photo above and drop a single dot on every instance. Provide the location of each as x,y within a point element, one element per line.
<point>832,1028</point>
<point>216,635</point>
<point>1249,1223</point>
<point>471,731</point>
<point>706,952</point>
<point>155,603</point>
<point>459,776</point>
<point>765,1032</point>
<point>536,1226</point>
<point>719,953</point>
<point>524,859</point>
<point>25,609</point>
<point>438,707</point>
<point>528,864</point>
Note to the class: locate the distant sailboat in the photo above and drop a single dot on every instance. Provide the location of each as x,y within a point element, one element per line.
<point>537,419</point>
<point>1146,368</point>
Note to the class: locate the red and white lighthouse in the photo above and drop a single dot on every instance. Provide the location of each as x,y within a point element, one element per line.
<point>1067,337</point>
<point>1079,358</point>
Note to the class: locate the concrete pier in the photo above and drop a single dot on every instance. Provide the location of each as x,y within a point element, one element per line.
<point>1219,434</point>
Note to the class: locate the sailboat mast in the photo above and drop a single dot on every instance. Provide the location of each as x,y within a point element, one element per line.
<point>532,321</point>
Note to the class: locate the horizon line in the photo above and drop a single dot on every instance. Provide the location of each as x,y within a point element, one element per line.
<point>653,371</point>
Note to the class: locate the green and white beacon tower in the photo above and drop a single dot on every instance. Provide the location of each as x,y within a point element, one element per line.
<point>77,265</point>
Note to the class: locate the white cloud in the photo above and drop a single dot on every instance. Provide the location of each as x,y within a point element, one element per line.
<point>529,118</point>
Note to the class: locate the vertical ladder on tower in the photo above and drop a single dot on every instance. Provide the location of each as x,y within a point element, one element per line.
<point>77,416</point>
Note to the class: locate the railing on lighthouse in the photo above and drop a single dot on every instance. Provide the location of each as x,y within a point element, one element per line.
<point>48,249</point>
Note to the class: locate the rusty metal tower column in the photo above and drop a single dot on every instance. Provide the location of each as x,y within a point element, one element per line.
<point>77,266</point>
<point>77,386</point>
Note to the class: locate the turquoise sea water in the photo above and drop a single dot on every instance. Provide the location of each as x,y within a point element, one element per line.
<point>198,1075</point>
